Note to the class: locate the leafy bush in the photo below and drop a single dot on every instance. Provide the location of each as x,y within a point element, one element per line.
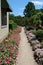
<point>39,34</point>
<point>32,44</point>
<point>12,25</point>
<point>41,44</point>
<point>35,20</point>
<point>29,28</point>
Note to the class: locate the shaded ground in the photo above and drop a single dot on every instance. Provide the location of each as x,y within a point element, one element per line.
<point>25,56</point>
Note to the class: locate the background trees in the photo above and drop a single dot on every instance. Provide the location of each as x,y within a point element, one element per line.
<point>29,9</point>
<point>17,19</point>
<point>33,18</point>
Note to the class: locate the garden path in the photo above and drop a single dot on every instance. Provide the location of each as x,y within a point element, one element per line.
<point>25,56</point>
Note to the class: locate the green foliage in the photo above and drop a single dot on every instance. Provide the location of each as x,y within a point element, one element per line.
<point>11,17</point>
<point>32,44</point>
<point>7,53</point>
<point>4,63</point>
<point>1,57</point>
<point>12,25</point>
<point>30,28</point>
<point>19,20</point>
<point>29,9</point>
<point>9,34</point>
<point>41,43</point>
<point>1,44</point>
<point>35,20</point>
<point>41,9</point>
<point>39,34</point>
<point>12,42</point>
<point>39,22</point>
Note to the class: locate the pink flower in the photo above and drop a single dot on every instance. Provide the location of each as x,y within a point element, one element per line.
<point>0,61</point>
<point>8,61</point>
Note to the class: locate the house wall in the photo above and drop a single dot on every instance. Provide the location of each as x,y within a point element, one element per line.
<point>0,12</point>
<point>4,29</point>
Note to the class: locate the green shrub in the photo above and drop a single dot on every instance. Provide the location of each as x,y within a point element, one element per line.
<point>41,62</point>
<point>39,34</point>
<point>32,44</point>
<point>41,43</point>
<point>30,28</point>
<point>35,20</point>
<point>12,25</point>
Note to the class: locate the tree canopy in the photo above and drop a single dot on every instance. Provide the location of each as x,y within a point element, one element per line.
<point>29,9</point>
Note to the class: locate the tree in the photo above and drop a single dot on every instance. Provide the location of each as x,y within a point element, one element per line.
<point>29,9</point>
<point>35,20</point>
<point>11,17</point>
<point>42,9</point>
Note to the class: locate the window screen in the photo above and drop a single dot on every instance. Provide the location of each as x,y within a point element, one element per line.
<point>3,18</point>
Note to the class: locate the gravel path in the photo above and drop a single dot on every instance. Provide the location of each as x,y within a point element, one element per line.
<point>25,56</point>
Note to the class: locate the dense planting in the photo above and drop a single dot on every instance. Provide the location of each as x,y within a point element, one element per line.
<point>37,46</point>
<point>7,56</point>
<point>39,34</point>
<point>29,27</point>
<point>9,48</point>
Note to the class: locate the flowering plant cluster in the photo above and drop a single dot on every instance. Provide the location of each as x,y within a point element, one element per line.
<point>9,48</point>
<point>37,46</point>
<point>7,55</point>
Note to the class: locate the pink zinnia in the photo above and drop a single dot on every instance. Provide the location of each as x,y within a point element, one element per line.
<point>8,61</point>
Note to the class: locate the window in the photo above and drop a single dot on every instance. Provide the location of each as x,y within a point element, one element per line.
<point>3,18</point>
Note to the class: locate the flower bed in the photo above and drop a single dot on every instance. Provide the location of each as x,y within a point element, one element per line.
<point>16,36</point>
<point>9,48</point>
<point>36,46</point>
<point>7,53</point>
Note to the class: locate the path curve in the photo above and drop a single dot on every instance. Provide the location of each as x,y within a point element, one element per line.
<point>25,56</point>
